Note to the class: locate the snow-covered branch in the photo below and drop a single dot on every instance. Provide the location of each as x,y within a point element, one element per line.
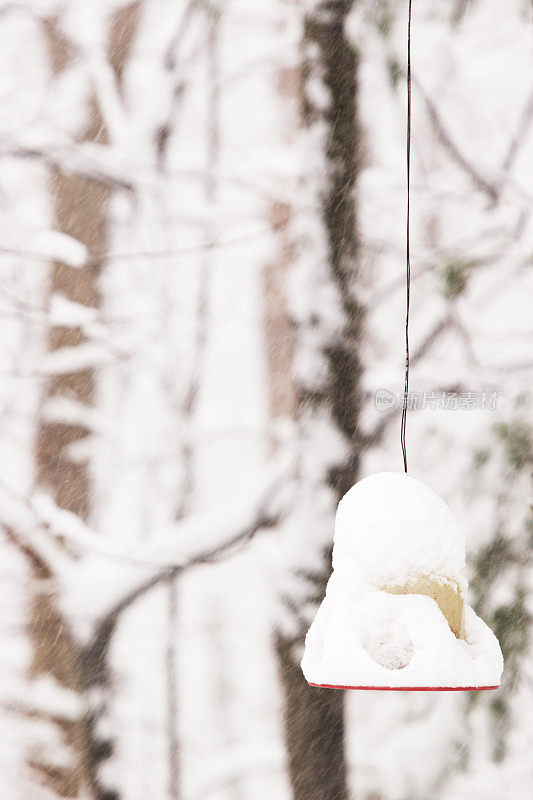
<point>73,160</point>
<point>23,528</point>
<point>216,536</point>
<point>198,538</point>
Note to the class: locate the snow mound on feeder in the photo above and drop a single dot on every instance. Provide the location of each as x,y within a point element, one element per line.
<point>391,526</point>
<point>394,613</point>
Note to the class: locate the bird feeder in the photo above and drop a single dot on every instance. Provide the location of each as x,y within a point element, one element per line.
<point>395,616</point>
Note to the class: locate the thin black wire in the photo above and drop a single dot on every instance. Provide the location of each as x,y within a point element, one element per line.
<point>408,247</point>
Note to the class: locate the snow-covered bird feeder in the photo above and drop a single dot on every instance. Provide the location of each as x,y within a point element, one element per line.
<point>394,615</point>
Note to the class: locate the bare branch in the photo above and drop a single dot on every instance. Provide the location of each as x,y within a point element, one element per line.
<point>100,258</point>
<point>519,136</point>
<point>375,437</point>
<point>178,67</point>
<point>480,182</point>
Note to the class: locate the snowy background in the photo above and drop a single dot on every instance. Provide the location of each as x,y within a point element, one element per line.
<point>202,298</point>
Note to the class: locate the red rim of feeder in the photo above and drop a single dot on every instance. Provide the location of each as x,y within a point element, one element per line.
<point>407,688</point>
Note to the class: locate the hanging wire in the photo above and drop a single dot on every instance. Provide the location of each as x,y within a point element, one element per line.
<point>408,247</point>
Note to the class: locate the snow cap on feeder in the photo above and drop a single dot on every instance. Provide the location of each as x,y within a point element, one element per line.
<point>394,615</point>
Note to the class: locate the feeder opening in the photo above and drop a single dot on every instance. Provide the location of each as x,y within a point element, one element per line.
<point>447,595</point>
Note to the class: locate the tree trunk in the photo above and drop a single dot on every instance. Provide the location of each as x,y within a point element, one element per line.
<point>314,718</point>
<point>80,211</point>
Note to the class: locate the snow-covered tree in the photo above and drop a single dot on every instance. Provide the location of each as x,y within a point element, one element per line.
<point>202,298</point>
<point>327,316</point>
